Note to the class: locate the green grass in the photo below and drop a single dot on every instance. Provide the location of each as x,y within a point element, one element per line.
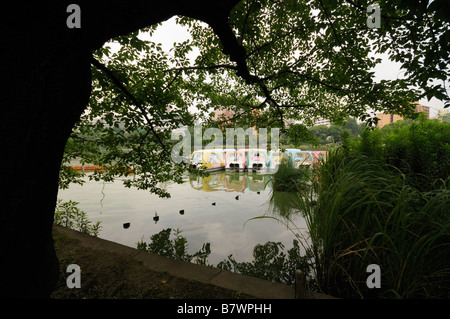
<point>367,214</point>
<point>289,179</point>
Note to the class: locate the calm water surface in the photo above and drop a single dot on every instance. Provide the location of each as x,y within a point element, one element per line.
<point>223,225</point>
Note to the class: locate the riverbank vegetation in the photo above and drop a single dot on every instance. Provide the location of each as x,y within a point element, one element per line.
<point>289,178</point>
<point>68,214</point>
<point>383,198</point>
<point>267,63</point>
<point>177,248</point>
<point>366,213</point>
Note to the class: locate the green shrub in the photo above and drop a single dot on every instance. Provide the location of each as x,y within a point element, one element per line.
<point>67,214</point>
<point>289,179</point>
<point>176,248</point>
<point>270,262</point>
<point>419,149</point>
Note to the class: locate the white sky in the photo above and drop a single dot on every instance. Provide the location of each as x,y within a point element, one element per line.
<point>169,32</point>
<point>389,70</point>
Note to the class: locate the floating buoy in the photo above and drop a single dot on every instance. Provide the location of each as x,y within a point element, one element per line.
<point>182,212</point>
<point>156,217</point>
<point>126,225</point>
<point>214,204</point>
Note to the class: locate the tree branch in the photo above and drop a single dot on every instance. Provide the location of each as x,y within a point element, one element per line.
<point>232,48</point>
<point>122,87</point>
<point>210,67</point>
<point>281,36</point>
<point>173,80</point>
<point>334,31</point>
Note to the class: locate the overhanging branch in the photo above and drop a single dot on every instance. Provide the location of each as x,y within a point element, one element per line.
<point>134,100</point>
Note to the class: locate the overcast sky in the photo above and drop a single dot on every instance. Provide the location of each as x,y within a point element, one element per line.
<point>169,32</point>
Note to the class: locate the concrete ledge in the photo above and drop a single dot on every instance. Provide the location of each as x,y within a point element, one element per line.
<point>256,287</point>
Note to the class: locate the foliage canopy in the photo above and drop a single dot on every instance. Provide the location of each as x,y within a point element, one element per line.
<point>269,62</point>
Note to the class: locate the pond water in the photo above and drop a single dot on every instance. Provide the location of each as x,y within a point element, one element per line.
<point>225,225</point>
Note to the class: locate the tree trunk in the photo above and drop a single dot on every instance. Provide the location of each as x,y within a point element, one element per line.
<point>47,87</point>
<point>47,83</point>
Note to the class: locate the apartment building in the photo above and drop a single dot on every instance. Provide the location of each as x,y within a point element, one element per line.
<point>385,119</point>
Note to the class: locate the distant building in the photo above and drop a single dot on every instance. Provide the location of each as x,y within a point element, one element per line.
<point>443,116</point>
<point>384,118</point>
<point>289,122</point>
<point>423,109</point>
<point>442,112</point>
<point>222,115</point>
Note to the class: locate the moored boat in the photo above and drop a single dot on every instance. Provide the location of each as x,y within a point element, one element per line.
<point>209,160</point>
<point>299,158</point>
<point>236,160</point>
<point>319,155</point>
<point>257,160</point>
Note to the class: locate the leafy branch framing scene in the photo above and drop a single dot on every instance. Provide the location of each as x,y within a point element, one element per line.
<point>288,64</point>
<point>273,63</point>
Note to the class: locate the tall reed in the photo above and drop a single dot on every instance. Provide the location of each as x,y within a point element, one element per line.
<point>289,179</point>
<point>363,212</point>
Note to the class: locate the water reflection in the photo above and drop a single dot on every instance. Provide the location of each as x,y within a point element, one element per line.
<point>281,204</point>
<point>284,204</point>
<point>231,182</point>
<point>190,209</point>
